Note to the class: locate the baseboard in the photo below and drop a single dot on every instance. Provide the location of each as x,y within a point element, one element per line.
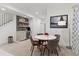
<point>69,47</point>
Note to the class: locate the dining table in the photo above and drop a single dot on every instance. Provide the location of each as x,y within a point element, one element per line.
<point>45,37</point>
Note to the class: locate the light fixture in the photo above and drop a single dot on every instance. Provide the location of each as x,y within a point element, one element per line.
<point>61,22</point>
<point>61,19</point>
<point>3,9</point>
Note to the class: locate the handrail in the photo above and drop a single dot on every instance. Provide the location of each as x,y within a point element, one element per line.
<point>5,22</point>
<point>5,18</point>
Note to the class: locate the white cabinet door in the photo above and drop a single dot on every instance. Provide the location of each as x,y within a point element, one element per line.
<point>21,35</point>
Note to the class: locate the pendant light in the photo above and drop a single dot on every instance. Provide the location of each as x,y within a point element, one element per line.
<point>61,22</point>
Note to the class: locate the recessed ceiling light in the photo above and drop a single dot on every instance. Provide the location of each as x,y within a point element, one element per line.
<point>37,13</point>
<point>3,9</point>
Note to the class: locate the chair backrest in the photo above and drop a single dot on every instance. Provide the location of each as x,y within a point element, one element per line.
<point>40,34</point>
<point>46,33</point>
<point>57,36</point>
<point>53,44</point>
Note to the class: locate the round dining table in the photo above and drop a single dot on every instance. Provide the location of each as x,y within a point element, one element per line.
<point>45,37</point>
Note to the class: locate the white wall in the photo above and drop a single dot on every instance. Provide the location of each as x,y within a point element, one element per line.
<point>35,25</point>
<point>64,32</point>
<point>8,30</point>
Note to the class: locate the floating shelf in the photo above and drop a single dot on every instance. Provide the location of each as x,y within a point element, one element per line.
<point>22,23</point>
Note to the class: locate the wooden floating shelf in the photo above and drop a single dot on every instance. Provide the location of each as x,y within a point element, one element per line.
<point>24,22</point>
<point>23,26</point>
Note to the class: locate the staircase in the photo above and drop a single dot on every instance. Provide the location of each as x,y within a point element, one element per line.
<point>5,18</point>
<point>7,27</point>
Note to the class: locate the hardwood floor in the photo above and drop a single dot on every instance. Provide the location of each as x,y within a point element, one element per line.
<point>23,49</point>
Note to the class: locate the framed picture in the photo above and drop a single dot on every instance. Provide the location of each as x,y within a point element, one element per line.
<point>60,21</point>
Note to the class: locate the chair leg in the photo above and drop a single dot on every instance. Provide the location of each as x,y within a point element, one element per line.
<point>59,47</point>
<point>43,51</point>
<point>32,50</point>
<point>40,51</point>
<point>53,51</point>
<point>57,52</point>
<point>38,46</point>
<point>48,52</point>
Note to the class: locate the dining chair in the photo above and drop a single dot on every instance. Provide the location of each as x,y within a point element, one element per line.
<point>43,41</point>
<point>51,47</point>
<point>46,33</point>
<point>39,33</point>
<point>34,43</point>
<point>58,38</point>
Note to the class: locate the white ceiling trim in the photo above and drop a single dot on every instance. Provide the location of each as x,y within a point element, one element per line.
<point>16,10</point>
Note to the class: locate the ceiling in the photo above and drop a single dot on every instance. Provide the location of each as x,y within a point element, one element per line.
<point>34,9</point>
